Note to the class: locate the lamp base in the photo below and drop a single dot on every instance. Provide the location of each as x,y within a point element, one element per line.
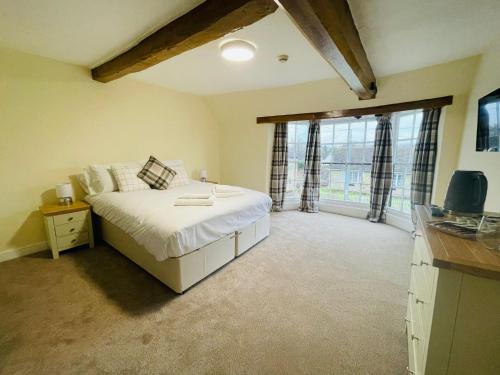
<point>65,201</point>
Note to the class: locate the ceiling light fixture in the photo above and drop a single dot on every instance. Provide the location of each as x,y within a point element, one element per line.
<point>238,50</point>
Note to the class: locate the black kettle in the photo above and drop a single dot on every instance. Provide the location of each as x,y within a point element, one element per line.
<point>466,192</point>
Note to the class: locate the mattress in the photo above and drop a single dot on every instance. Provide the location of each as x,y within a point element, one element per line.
<point>167,231</point>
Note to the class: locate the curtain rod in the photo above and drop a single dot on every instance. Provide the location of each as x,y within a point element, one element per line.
<point>354,112</point>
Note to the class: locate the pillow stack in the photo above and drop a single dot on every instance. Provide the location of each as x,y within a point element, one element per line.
<point>133,176</point>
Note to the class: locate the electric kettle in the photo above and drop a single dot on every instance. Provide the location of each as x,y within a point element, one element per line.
<point>466,192</point>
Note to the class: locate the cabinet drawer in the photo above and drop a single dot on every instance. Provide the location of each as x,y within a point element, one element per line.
<point>245,239</point>
<point>71,228</point>
<point>262,227</point>
<point>72,240</point>
<point>71,217</point>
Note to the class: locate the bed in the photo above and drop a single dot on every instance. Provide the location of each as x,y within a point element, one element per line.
<point>181,245</point>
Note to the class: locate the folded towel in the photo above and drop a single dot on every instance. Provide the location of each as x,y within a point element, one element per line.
<point>194,202</point>
<point>227,189</point>
<point>195,196</point>
<point>228,195</point>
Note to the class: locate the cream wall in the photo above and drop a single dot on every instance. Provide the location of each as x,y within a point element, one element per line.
<point>55,120</point>
<point>246,146</point>
<point>486,81</point>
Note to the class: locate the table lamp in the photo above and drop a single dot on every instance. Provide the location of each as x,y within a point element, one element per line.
<point>64,193</point>
<point>203,175</point>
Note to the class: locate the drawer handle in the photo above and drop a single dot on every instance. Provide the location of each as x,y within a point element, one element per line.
<point>409,291</point>
<point>410,371</point>
<point>422,263</point>
<point>70,218</point>
<point>73,240</point>
<point>413,337</point>
<point>413,264</point>
<point>72,230</point>
<point>239,233</point>
<point>408,320</point>
<point>419,301</point>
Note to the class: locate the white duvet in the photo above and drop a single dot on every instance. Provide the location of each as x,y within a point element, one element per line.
<point>165,230</point>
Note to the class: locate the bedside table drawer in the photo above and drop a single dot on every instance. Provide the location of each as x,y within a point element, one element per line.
<point>71,228</point>
<point>71,217</point>
<point>72,240</point>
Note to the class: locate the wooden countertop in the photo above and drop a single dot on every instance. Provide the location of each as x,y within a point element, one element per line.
<point>456,253</point>
<point>56,209</point>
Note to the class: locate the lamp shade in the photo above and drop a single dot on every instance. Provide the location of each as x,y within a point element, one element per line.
<point>64,190</point>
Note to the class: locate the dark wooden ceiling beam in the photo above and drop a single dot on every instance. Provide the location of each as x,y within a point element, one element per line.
<point>365,111</point>
<point>329,26</point>
<point>209,21</point>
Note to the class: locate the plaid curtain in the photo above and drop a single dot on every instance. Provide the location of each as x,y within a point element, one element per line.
<point>309,201</point>
<point>381,174</point>
<point>279,166</point>
<point>424,159</point>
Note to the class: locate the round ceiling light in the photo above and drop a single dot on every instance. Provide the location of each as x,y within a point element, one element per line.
<point>238,50</point>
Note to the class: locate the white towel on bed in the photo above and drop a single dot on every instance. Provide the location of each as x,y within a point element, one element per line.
<point>194,202</point>
<point>223,189</point>
<point>196,196</point>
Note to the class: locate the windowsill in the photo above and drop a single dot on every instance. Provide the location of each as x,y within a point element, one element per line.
<point>395,218</point>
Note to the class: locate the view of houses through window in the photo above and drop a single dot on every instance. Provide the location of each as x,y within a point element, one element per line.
<point>346,157</point>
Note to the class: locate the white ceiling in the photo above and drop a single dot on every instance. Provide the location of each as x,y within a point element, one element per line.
<point>403,35</point>
<point>203,71</point>
<point>83,32</point>
<point>398,35</point>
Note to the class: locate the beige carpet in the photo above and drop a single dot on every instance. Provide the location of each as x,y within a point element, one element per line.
<point>324,294</point>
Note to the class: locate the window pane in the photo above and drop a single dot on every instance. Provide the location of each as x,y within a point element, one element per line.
<point>371,126</point>
<point>291,133</point>
<point>357,153</point>
<point>418,123</point>
<point>368,153</point>
<point>403,152</point>
<point>291,152</point>
<point>302,133</point>
<point>326,133</point>
<point>301,152</point>
<point>405,122</point>
<point>340,153</point>
<point>327,153</point>
<point>354,192</point>
<point>357,132</point>
<point>324,176</point>
<point>341,132</point>
<point>405,130</point>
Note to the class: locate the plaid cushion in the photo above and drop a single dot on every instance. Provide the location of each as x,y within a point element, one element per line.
<point>156,174</point>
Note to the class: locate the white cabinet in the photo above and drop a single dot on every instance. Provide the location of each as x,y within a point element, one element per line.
<point>453,319</point>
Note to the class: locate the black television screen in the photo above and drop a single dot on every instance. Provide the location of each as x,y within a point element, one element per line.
<point>488,123</point>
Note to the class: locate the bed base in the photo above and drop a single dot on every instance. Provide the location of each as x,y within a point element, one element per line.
<point>181,273</point>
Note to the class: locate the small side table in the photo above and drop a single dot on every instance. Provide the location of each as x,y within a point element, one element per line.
<point>68,226</point>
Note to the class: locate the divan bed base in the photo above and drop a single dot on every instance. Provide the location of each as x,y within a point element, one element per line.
<point>181,273</point>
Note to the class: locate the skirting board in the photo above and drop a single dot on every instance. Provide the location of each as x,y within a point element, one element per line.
<point>23,251</point>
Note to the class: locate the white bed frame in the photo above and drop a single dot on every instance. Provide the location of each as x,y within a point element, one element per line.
<point>181,273</point>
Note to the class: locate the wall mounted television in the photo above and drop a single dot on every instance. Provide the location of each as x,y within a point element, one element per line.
<point>488,123</point>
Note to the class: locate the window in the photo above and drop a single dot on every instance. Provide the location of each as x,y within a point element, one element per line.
<point>405,128</point>
<point>297,140</point>
<point>494,128</point>
<point>346,158</point>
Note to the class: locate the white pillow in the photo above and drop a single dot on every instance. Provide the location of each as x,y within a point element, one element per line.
<point>181,178</point>
<point>101,179</point>
<point>84,180</point>
<point>126,178</point>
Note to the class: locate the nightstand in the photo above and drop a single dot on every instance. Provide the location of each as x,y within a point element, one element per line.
<point>68,226</point>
